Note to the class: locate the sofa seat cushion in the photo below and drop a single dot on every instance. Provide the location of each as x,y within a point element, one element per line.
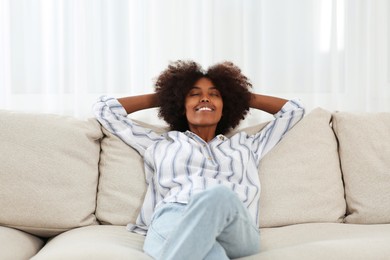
<point>302,241</point>
<point>16,244</point>
<point>365,161</point>
<point>94,242</point>
<point>325,241</point>
<point>49,172</point>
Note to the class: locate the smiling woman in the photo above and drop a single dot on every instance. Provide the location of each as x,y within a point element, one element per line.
<point>203,109</point>
<point>182,77</point>
<point>202,200</point>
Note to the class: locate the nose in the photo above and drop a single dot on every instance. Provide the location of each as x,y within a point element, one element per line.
<point>205,98</point>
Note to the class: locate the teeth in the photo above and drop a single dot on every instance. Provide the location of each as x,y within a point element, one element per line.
<point>204,109</point>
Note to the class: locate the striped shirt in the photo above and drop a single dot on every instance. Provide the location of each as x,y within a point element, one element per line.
<point>181,164</point>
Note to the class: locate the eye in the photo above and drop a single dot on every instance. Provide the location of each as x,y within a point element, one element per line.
<point>215,94</point>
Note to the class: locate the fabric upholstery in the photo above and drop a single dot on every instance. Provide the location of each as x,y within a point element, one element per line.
<point>324,241</point>
<point>321,241</point>
<point>49,187</point>
<point>300,178</point>
<point>94,242</point>
<point>365,161</point>
<point>16,244</point>
<point>49,172</point>
<point>122,184</point>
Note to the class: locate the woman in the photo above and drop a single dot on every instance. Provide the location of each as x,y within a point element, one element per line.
<point>202,200</point>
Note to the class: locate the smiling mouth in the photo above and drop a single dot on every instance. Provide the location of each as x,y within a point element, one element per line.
<point>204,108</point>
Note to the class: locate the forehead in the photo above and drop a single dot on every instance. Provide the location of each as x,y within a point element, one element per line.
<point>204,84</point>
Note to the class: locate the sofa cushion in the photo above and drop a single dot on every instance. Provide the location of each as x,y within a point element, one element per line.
<point>365,161</point>
<point>94,242</point>
<point>122,184</point>
<point>300,178</point>
<point>323,241</point>
<point>49,172</point>
<point>16,244</point>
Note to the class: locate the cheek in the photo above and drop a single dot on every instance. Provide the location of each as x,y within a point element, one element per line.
<point>189,104</point>
<point>221,106</point>
<point>186,108</point>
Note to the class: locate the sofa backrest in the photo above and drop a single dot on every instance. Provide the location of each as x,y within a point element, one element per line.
<point>58,172</point>
<point>301,177</point>
<point>49,172</point>
<point>365,161</point>
<point>122,184</point>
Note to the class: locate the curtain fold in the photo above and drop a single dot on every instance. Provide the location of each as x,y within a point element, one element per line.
<point>58,56</point>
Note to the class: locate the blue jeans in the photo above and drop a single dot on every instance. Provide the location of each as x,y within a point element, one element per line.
<point>214,225</point>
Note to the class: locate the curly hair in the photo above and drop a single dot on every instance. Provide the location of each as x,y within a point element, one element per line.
<point>175,82</point>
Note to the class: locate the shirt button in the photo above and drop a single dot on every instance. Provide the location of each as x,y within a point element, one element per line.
<point>210,158</point>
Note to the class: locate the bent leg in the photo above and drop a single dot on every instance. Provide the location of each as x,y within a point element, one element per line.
<point>163,222</point>
<point>217,252</point>
<point>213,215</point>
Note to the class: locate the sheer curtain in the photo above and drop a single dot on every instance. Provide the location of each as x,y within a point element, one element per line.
<point>58,56</point>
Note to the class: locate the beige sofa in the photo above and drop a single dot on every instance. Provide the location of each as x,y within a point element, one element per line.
<point>68,188</point>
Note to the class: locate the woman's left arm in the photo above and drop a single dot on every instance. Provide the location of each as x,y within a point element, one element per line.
<point>286,112</point>
<point>268,104</point>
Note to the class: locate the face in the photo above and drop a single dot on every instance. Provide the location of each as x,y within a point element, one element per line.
<point>203,105</point>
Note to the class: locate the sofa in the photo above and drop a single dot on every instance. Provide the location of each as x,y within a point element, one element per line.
<point>68,188</point>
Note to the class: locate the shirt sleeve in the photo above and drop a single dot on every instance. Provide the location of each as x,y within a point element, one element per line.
<point>290,114</point>
<point>111,114</point>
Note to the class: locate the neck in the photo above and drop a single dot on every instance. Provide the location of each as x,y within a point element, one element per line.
<point>206,133</point>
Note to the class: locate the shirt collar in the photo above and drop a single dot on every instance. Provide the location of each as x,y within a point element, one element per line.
<point>192,135</point>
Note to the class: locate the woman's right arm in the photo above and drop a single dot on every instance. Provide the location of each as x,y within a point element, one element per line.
<point>112,114</point>
<point>135,103</point>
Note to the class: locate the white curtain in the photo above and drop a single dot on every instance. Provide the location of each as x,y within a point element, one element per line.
<point>58,56</point>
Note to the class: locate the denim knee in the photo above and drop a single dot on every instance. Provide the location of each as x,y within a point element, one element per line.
<point>221,192</point>
<point>218,196</point>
